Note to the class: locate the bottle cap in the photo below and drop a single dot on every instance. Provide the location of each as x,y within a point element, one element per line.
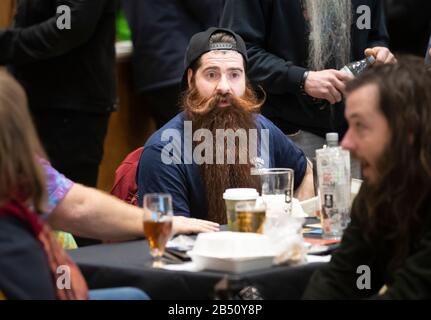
<point>332,138</point>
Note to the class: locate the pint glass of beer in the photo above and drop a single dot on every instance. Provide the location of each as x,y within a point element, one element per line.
<point>157,224</point>
<point>250,216</point>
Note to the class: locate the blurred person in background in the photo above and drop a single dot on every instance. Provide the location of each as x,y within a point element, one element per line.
<point>161,31</point>
<point>68,72</point>
<point>409,25</point>
<point>63,54</point>
<point>296,48</point>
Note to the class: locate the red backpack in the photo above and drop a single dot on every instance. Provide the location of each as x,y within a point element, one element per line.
<point>125,186</point>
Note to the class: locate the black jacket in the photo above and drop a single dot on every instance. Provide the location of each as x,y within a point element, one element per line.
<point>339,278</point>
<point>24,268</point>
<point>63,69</point>
<point>409,25</point>
<point>161,31</point>
<point>276,37</point>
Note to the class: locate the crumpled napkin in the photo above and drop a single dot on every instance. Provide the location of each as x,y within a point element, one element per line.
<point>182,243</point>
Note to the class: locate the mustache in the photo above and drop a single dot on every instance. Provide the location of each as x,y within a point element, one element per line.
<point>195,104</point>
<point>206,105</point>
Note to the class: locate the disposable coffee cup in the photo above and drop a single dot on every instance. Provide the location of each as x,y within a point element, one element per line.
<point>231,198</point>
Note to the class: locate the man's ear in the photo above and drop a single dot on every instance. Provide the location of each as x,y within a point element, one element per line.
<point>189,76</point>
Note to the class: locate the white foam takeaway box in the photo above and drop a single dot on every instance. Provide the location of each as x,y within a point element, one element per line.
<point>233,252</point>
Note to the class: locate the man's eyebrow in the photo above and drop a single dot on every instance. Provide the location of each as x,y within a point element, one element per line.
<point>354,116</point>
<point>211,68</point>
<point>218,68</point>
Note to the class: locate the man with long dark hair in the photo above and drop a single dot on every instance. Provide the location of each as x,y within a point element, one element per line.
<point>217,99</point>
<point>386,250</point>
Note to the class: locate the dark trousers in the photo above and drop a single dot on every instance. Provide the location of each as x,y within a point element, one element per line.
<point>74,143</point>
<point>163,103</point>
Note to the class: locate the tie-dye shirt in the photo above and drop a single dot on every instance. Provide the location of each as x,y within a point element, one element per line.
<point>58,186</point>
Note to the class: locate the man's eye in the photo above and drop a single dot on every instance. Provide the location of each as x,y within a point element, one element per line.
<point>359,126</point>
<point>235,75</point>
<point>212,75</point>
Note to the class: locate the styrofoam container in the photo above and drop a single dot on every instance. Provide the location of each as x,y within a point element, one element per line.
<point>234,252</point>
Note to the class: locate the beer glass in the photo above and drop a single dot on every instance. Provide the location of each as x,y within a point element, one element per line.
<point>277,190</point>
<point>157,224</point>
<point>232,197</point>
<point>250,216</point>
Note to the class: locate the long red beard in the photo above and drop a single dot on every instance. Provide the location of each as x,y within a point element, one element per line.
<point>205,114</point>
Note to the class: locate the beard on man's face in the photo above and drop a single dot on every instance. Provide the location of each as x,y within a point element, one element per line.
<point>238,114</point>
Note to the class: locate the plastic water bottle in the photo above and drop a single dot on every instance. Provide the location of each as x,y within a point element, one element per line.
<point>333,171</point>
<point>355,68</point>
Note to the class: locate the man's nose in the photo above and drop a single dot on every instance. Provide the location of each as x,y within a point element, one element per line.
<point>223,86</point>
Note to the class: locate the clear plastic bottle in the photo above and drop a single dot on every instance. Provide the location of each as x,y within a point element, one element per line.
<point>333,171</point>
<point>355,68</point>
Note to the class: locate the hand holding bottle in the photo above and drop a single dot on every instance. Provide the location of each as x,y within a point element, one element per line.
<point>381,54</point>
<point>327,84</point>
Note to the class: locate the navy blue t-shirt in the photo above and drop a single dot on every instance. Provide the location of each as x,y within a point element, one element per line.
<point>182,178</point>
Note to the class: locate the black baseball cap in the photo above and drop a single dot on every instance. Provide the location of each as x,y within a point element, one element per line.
<point>200,44</point>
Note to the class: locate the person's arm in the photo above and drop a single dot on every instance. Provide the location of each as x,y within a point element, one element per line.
<point>378,39</point>
<point>45,40</point>
<point>91,213</point>
<point>250,19</point>
<point>306,189</point>
<point>88,212</point>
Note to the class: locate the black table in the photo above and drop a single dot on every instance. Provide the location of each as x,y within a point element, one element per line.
<point>129,264</point>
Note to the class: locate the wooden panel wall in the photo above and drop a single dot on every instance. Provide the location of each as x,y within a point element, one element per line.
<point>129,127</point>
<point>7,9</point>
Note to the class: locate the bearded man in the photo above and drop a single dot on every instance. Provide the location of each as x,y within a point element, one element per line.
<point>296,48</point>
<point>388,109</point>
<point>217,98</point>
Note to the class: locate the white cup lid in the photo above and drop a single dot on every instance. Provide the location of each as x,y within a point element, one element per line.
<point>240,194</point>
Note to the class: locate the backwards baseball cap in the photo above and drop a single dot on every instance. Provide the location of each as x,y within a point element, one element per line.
<point>200,44</point>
